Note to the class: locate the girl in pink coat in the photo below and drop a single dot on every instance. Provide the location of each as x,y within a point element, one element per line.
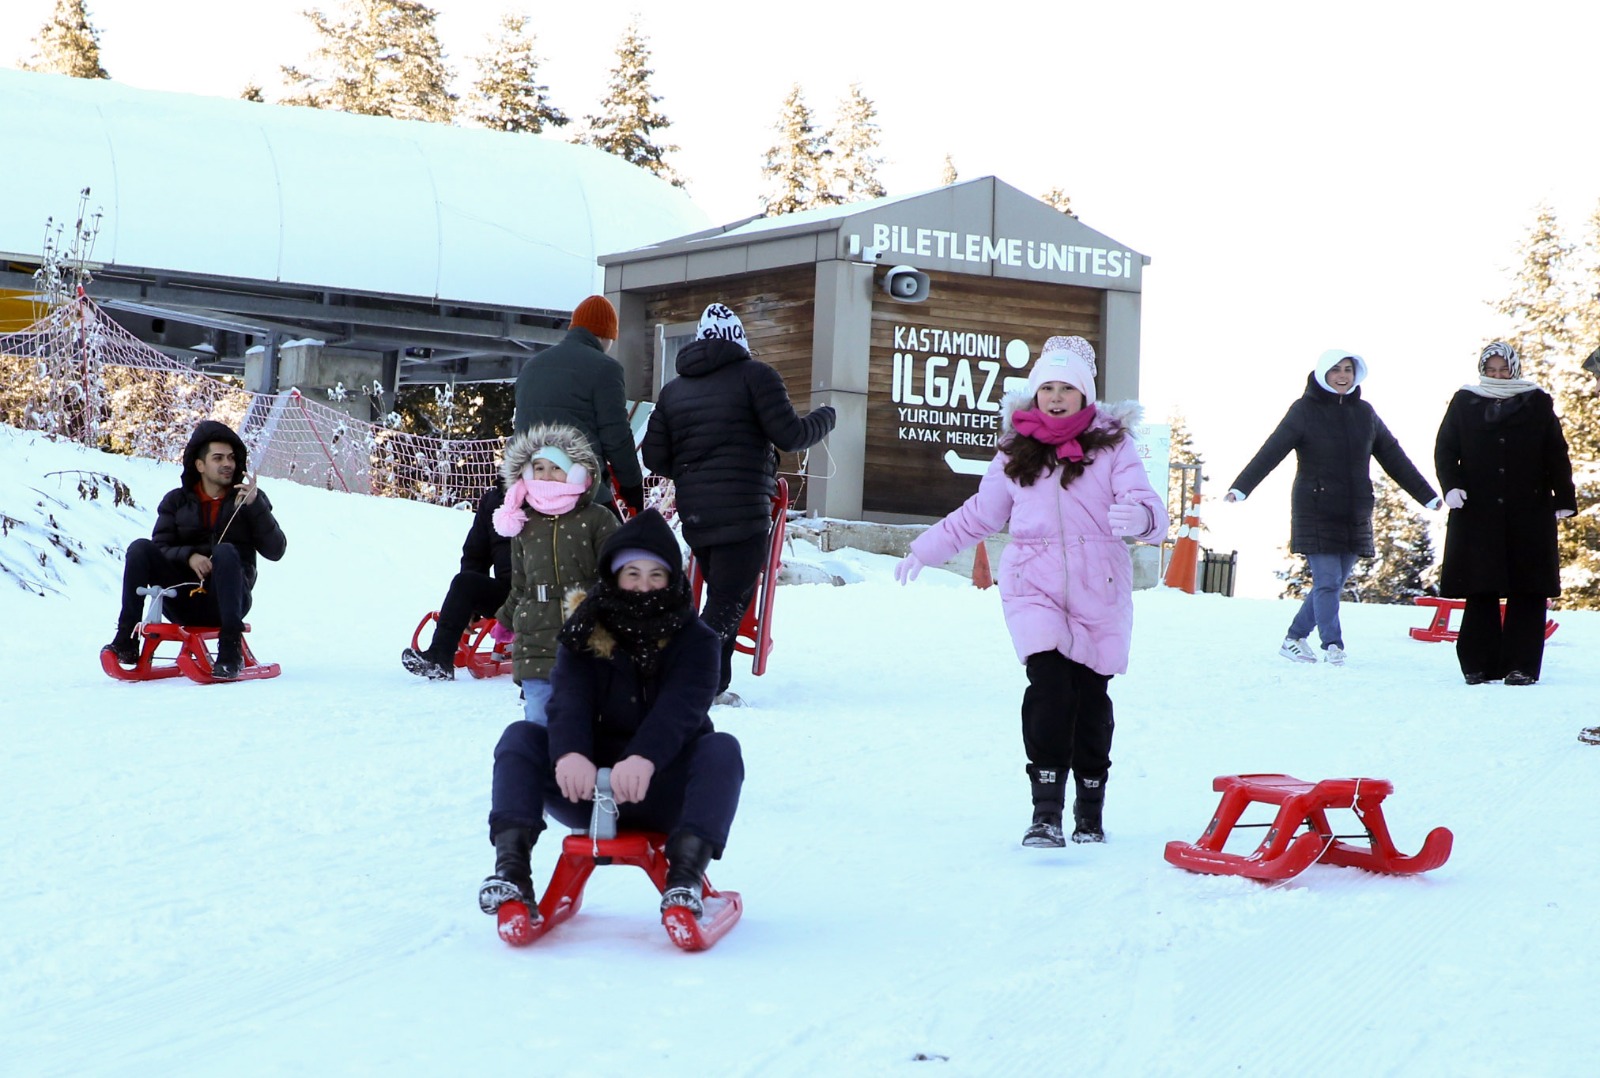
<point>1069,482</point>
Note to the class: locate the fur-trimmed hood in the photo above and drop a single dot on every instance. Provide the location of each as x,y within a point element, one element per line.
<point>521,448</point>
<point>601,643</point>
<point>1110,415</point>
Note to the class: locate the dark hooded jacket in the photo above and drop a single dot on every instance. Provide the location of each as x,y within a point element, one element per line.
<point>602,706</point>
<point>575,383</point>
<point>1334,437</point>
<point>181,531</point>
<point>713,432</point>
<point>485,550</point>
<point>1510,458</point>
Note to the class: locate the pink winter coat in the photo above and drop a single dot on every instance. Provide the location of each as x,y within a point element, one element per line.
<point>1066,583</point>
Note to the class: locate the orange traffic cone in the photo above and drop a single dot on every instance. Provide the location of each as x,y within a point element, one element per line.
<point>1186,552</point>
<point>981,576</point>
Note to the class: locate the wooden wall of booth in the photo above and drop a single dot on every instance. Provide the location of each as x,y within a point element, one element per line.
<point>778,309</point>
<point>911,477</point>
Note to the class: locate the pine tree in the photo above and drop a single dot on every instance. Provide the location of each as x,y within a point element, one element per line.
<point>1180,451</point>
<point>854,141</point>
<point>507,95</point>
<point>947,175</point>
<point>252,92</point>
<point>68,44</point>
<point>796,167</point>
<point>1296,575</point>
<point>383,58</point>
<point>1401,567</point>
<point>1060,200</point>
<point>628,119</point>
<point>1554,313</point>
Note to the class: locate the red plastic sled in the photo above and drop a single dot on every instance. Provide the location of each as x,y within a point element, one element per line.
<point>1438,630</point>
<point>755,630</point>
<point>646,849</point>
<point>477,652</point>
<point>193,656</point>
<point>1283,853</point>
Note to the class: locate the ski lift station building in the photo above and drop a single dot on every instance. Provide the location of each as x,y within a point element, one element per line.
<point>986,274</point>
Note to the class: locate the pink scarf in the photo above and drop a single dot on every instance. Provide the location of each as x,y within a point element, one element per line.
<point>545,495</point>
<point>1059,431</point>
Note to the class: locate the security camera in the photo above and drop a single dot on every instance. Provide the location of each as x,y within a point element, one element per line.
<point>906,284</point>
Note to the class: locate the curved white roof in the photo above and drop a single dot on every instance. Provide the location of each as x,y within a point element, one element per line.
<point>304,196</point>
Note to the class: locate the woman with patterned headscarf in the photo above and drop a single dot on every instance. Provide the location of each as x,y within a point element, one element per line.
<point>1502,460</point>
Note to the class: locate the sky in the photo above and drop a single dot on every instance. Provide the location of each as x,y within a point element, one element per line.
<point>279,876</point>
<point>1303,177</point>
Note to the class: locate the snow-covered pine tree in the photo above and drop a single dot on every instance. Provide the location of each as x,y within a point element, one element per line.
<point>1550,311</point>
<point>1295,574</point>
<point>1401,567</point>
<point>1060,200</point>
<point>507,94</point>
<point>1181,450</point>
<point>68,44</point>
<point>628,119</point>
<point>381,58</point>
<point>252,92</point>
<point>854,140</point>
<point>947,175</point>
<point>797,166</point>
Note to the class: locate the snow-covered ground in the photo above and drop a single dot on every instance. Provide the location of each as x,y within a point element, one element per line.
<point>280,876</point>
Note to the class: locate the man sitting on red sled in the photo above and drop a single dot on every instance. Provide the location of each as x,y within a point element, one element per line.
<point>207,535</point>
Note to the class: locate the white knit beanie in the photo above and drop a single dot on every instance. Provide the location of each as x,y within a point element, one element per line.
<point>719,323</point>
<point>1065,359</point>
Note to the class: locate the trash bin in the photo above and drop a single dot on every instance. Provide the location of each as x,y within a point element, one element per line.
<point>1216,571</point>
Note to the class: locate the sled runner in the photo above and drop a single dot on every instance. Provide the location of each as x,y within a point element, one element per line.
<point>478,652</point>
<point>580,854</point>
<point>1438,630</point>
<point>755,630</point>
<point>1283,853</point>
<point>193,655</point>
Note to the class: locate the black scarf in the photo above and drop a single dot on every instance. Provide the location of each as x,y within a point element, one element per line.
<point>643,622</point>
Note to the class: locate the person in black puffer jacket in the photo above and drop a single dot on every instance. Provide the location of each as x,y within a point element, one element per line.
<point>1334,435</point>
<point>208,532</point>
<point>475,592</point>
<point>713,433</point>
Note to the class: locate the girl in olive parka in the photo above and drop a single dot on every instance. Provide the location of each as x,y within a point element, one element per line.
<point>556,530</point>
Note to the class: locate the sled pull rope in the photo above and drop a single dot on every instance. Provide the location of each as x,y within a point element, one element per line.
<point>605,805</point>
<point>1329,840</point>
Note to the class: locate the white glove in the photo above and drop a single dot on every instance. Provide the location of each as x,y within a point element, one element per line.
<point>1434,502</point>
<point>907,568</point>
<point>1128,520</point>
<point>1234,496</point>
<point>1455,497</point>
<point>1563,514</point>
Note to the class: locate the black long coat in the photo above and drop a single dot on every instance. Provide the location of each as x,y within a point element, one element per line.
<point>1333,437</point>
<point>1510,458</point>
<point>712,433</point>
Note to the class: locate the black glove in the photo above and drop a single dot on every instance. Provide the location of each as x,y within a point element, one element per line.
<point>633,498</point>
<point>828,415</point>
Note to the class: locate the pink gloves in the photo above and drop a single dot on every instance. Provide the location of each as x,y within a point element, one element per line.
<point>1128,520</point>
<point>501,634</point>
<point>1455,497</point>
<point>907,568</point>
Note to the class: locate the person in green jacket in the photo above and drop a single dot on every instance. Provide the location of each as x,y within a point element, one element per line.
<point>556,527</point>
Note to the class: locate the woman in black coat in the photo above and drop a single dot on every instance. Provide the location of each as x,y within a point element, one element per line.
<point>1334,434</point>
<point>631,690</point>
<point>1502,460</point>
<point>713,433</point>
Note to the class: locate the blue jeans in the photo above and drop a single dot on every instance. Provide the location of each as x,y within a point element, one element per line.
<point>535,695</point>
<point>1321,607</point>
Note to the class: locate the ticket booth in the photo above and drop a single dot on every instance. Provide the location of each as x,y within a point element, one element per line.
<point>911,316</point>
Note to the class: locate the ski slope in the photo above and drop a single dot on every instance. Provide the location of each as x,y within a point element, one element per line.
<point>279,877</point>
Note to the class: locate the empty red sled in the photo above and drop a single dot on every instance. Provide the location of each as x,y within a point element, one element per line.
<point>1286,850</point>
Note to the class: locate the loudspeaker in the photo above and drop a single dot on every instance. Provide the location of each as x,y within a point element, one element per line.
<point>906,284</point>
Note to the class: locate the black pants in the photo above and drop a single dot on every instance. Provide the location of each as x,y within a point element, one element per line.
<point>1487,647</point>
<point>470,596</point>
<point>1066,716</point>
<point>730,571</point>
<point>224,602</point>
<point>698,791</point>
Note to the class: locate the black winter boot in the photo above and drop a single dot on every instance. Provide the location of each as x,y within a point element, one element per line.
<point>426,664</point>
<point>1086,808</point>
<point>124,645</point>
<point>513,872</point>
<point>1049,799</point>
<point>230,657</point>
<point>687,857</point>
